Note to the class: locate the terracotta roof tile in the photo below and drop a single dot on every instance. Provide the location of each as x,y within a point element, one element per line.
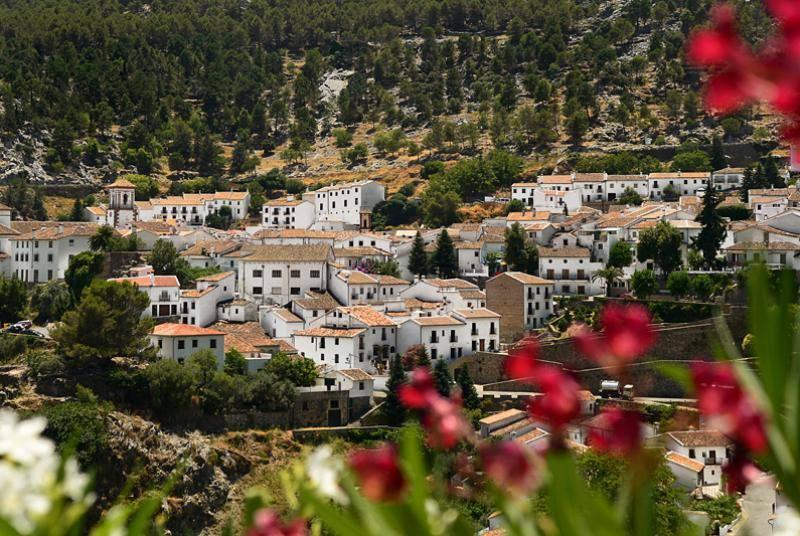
<point>700,438</point>
<point>330,332</point>
<point>683,461</point>
<point>183,330</point>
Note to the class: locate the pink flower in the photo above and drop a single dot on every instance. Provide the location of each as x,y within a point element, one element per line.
<point>419,393</point>
<point>445,423</point>
<point>379,473</point>
<point>442,418</point>
<point>721,398</point>
<point>739,472</point>
<point>739,75</point>
<point>620,432</point>
<point>626,334</point>
<point>267,523</point>
<point>522,362</point>
<point>509,465</point>
<point>558,404</point>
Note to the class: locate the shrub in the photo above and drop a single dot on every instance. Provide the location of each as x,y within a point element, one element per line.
<point>678,283</point>
<point>734,212</point>
<point>43,363</point>
<point>79,425</point>
<point>171,386</point>
<point>643,283</point>
<point>294,186</point>
<point>702,287</point>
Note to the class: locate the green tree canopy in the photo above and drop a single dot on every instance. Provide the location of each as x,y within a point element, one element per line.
<point>106,323</point>
<point>662,245</point>
<point>299,371</point>
<point>444,260</point>
<point>82,270</point>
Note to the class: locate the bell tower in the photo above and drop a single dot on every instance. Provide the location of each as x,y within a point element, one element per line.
<point>121,197</point>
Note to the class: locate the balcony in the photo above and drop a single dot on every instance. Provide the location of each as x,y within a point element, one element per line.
<point>453,338</point>
<point>712,461</point>
<point>434,339</point>
<point>474,333</point>
<point>164,297</point>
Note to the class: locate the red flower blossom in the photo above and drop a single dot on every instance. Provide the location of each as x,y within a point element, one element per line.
<point>419,393</point>
<point>267,523</point>
<point>739,75</point>
<point>559,403</point>
<point>445,423</point>
<point>442,418</point>
<point>620,432</point>
<point>739,472</point>
<point>521,363</point>
<point>379,473</point>
<point>509,465</point>
<point>626,334</point>
<point>721,398</point>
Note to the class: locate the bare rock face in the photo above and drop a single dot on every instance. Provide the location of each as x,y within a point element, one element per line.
<point>204,474</point>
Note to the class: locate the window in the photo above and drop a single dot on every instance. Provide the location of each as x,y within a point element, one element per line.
<point>294,273</point>
<point>49,257</point>
<point>181,345</point>
<point>212,343</point>
<point>194,343</point>
<point>334,404</point>
<point>257,291</point>
<point>160,343</point>
<point>360,386</point>
<point>257,273</point>
<point>691,453</point>
<point>294,291</point>
<point>276,273</point>
<point>335,358</point>
<point>314,273</point>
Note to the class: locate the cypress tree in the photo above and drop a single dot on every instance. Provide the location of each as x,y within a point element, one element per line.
<point>392,407</point>
<point>418,261</point>
<point>77,211</point>
<point>713,232</point>
<point>441,377</point>
<point>469,394</point>
<point>718,160</point>
<point>531,259</point>
<point>515,248</point>
<point>748,183</point>
<point>444,258</point>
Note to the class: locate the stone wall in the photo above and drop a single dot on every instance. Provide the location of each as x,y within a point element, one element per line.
<point>675,344</point>
<point>504,295</point>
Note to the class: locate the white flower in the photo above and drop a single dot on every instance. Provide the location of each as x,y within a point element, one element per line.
<point>29,474</point>
<point>324,470</point>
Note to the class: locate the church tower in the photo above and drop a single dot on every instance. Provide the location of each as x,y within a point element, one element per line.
<point>121,197</point>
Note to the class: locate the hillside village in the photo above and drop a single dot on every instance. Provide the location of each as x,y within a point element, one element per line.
<point>310,280</point>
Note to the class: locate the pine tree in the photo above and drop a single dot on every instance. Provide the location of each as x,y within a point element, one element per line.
<point>748,183</point>
<point>515,248</point>
<point>444,258</point>
<point>77,210</point>
<point>39,210</point>
<point>718,160</point>
<point>418,260</point>
<point>469,395</point>
<point>531,259</point>
<point>713,232</point>
<point>772,177</point>
<point>441,377</point>
<point>392,407</point>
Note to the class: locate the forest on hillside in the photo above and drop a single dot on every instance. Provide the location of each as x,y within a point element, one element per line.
<point>158,86</point>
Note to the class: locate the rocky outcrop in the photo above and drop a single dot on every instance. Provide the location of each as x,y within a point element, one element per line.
<point>204,474</point>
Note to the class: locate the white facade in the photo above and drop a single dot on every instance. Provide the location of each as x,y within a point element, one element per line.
<point>571,270</point>
<point>334,348</point>
<point>345,202</point>
<point>179,342</point>
<point>278,274</point>
<point>289,213</point>
<point>41,251</point>
<point>728,178</point>
<point>444,337</point>
<point>164,292</point>
<point>555,200</point>
<point>483,329</point>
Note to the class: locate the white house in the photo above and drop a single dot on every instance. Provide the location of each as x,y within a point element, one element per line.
<point>280,323</point>
<point>765,207</point>
<point>193,209</point>
<point>164,292</point>
<point>351,287</point>
<point>288,213</point>
<point>277,274</point>
<point>349,203</point>
<point>448,291</point>
<point>336,348</point>
<point>728,178</point>
<point>571,270</point>
<point>483,328</point>
<point>444,337</point>
<point>180,341</point>
<point>709,448</point>
<point>41,250</point>
<point>682,183</point>
<point>556,201</point>
<point>199,305</point>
